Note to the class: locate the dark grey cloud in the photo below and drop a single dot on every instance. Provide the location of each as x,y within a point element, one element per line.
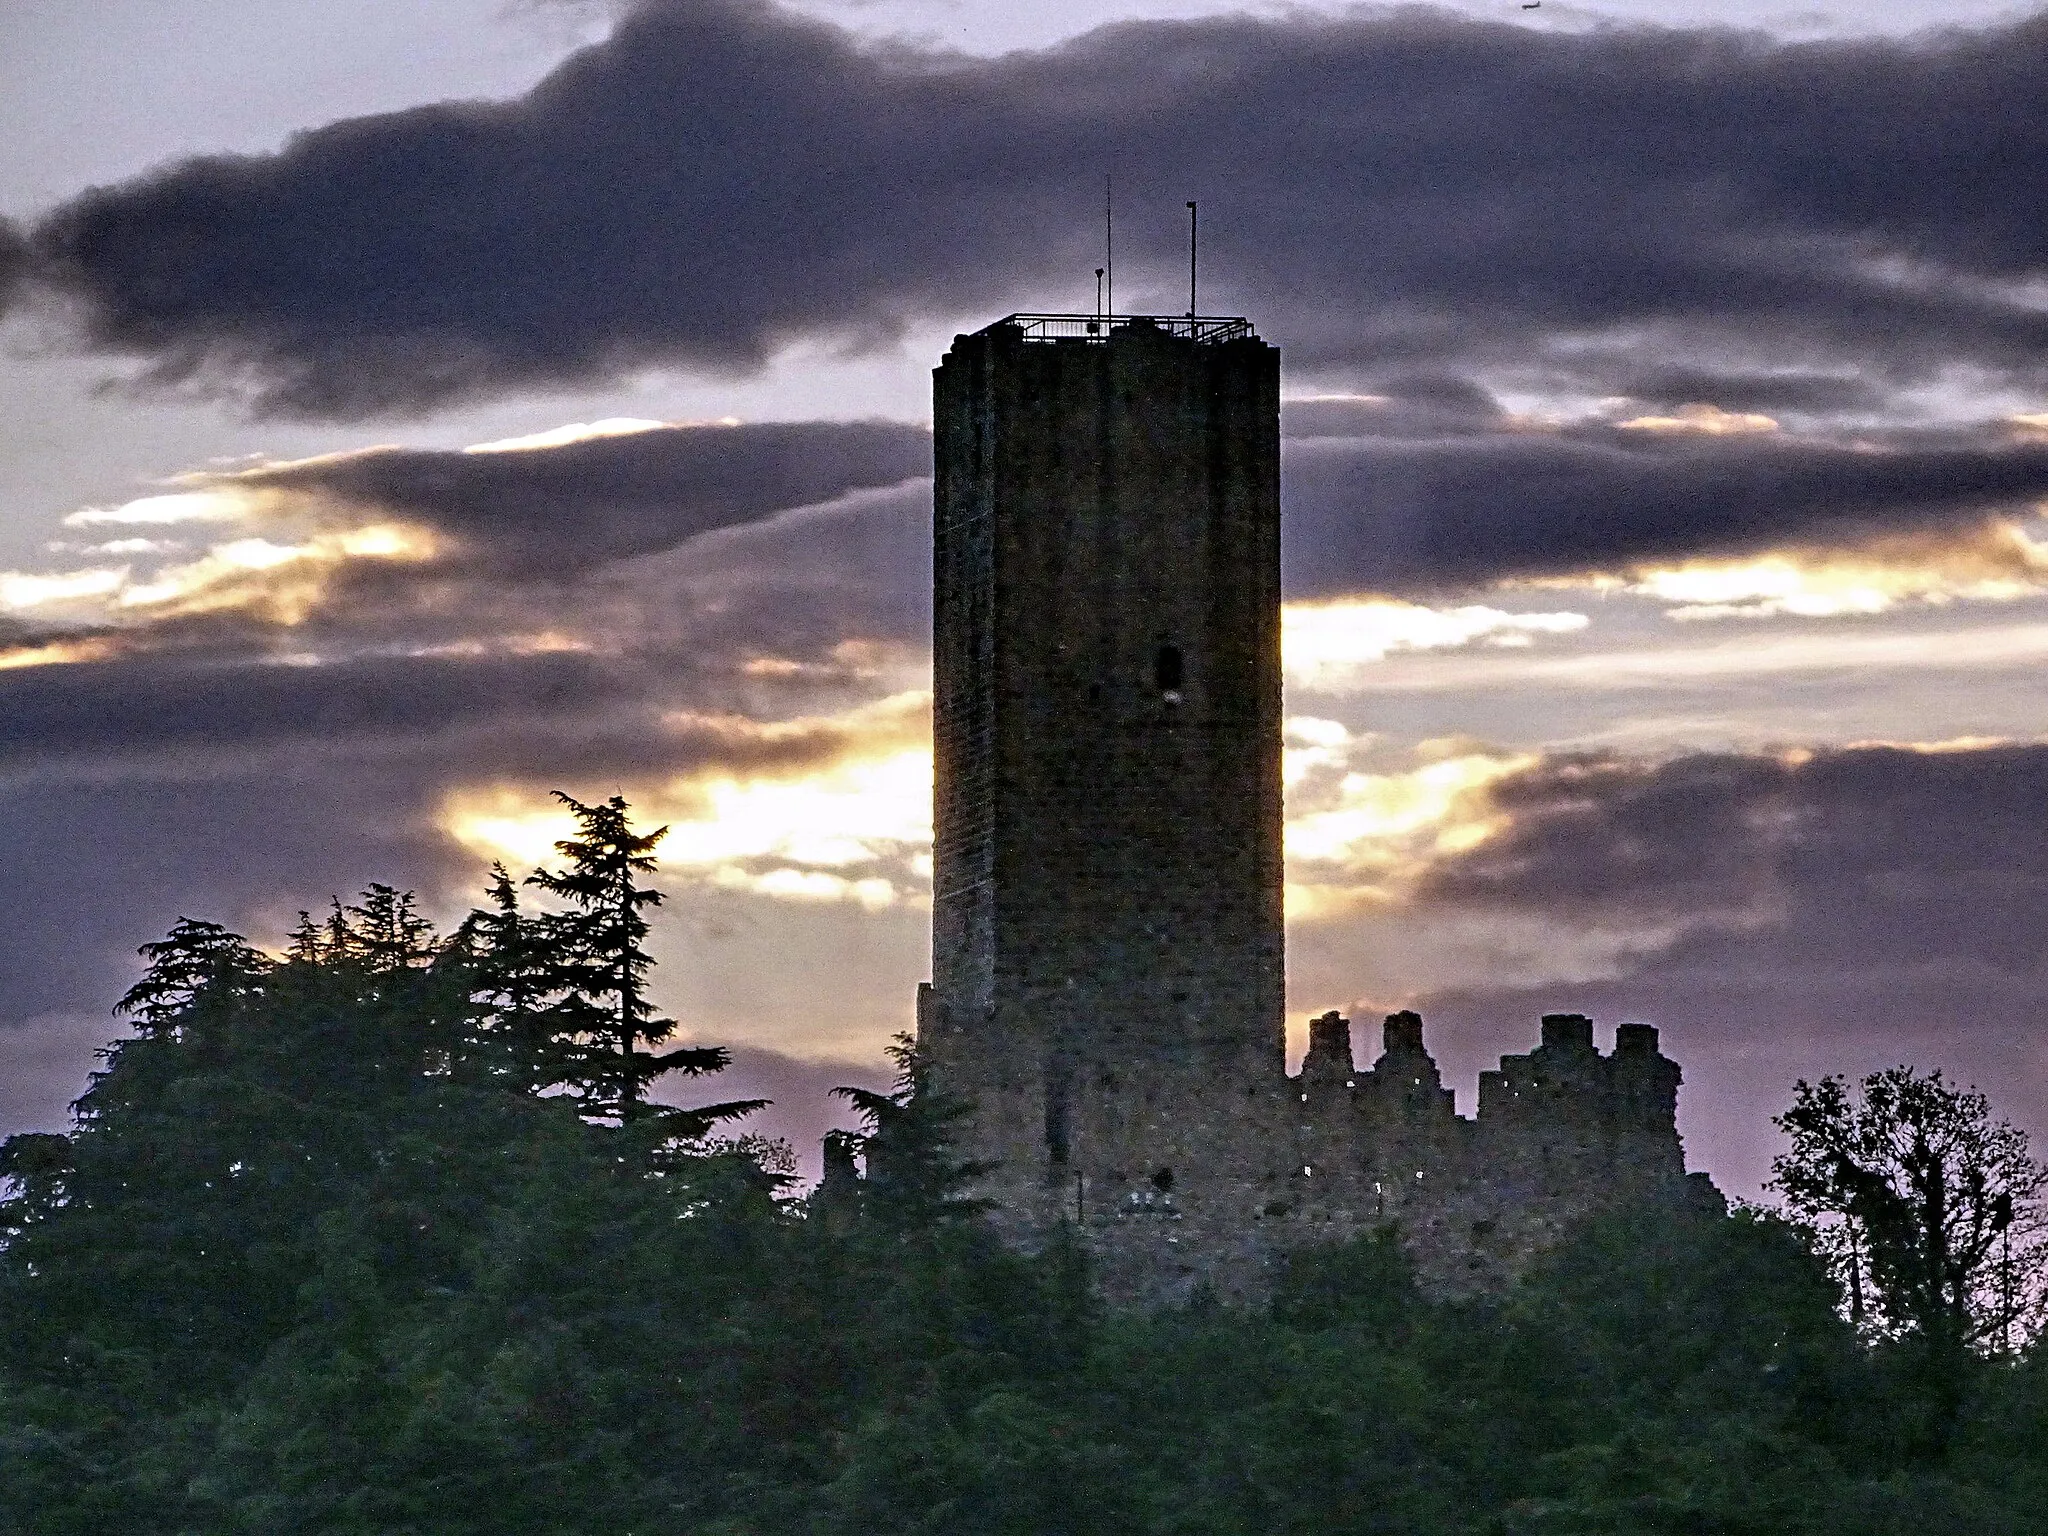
<point>1839,911</point>
<point>1785,390</point>
<point>1368,514</point>
<point>1413,405</point>
<point>177,705</point>
<point>568,508</point>
<point>1389,189</point>
<point>1848,861</point>
<point>91,868</point>
<point>14,263</point>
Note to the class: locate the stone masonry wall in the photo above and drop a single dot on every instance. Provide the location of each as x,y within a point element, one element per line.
<point>1236,1173</point>
<point>1107,924</point>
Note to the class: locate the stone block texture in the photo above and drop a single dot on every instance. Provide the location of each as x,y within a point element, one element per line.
<point>1108,966</point>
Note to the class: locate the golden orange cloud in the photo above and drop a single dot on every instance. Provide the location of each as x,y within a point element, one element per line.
<point>1703,420</point>
<point>850,823</point>
<point>1360,839</point>
<point>278,563</point>
<point>57,652</point>
<point>1325,646</point>
<point>1997,560</point>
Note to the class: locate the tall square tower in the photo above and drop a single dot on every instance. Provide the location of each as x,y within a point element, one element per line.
<point>1107,889</point>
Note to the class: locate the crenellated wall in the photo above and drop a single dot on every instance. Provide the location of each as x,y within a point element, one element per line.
<point>1208,1183</point>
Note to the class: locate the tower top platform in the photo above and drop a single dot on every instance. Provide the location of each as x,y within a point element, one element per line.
<point>1101,328</point>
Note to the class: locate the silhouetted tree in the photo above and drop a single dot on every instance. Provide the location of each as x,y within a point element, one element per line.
<point>1928,1209</point>
<point>194,960</point>
<point>599,964</point>
<point>511,979</point>
<point>915,1179</point>
<point>380,1238</point>
<point>386,931</point>
<point>39,1166</point>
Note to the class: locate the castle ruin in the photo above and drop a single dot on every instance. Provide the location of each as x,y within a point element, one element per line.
<point>1108,951</point>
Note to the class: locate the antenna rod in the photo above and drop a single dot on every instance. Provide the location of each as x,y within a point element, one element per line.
<point>1098,293</point>
<point>1192,229</point>
<point>1109,240</point>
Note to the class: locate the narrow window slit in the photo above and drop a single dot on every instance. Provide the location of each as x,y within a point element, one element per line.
<point>1168,672</point>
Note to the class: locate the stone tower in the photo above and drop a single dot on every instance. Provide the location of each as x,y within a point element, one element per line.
<point>1107,967</point>
<point>1107,925</point>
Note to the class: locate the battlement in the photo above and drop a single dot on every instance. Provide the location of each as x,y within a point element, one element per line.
<point>1173,1171</point>
<point>1566,1074</point>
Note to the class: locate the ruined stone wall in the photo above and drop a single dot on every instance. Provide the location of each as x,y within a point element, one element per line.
<point>1247,1169</point>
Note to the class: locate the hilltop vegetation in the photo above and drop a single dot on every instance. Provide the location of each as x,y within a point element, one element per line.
<point>385,1236</point>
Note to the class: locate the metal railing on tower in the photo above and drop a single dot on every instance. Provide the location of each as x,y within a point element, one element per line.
<point>1202,328</point>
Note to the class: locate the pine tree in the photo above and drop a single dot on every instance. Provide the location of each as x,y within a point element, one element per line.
<point>307,942</point>
<point>194,960</point>
<point>387,932</point>
<point>915,1177</point>
<point>510,979</point>
<point>599,968</point>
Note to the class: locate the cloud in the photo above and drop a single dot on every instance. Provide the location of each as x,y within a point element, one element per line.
<point>1789,389</point>
<point>95,865</point>
<point>1413,405</point>
<point>17,652</point>
<point>1758,665</point>
<point>1362,837</point>
<point>1995,561</point>
<point>554,505</point>
<point>1421,494</point>
<point>1706,420</point>
<point>1801,868</point>
<point>414,563</point>
<point>1392,189</point>
<point>172,507</point>
<point>14,263</point>
<point>22,590</point>
<point>1325,646</point>
<point>579,432</point>
<point>198,708</point>
<point>1900,858</point>
<point>1792,913</point>
<point>183,734</point>
<point>1370,515</point>
<point>834,808</point>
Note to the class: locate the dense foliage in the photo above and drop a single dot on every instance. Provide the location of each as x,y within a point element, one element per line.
<point>383,1237</point>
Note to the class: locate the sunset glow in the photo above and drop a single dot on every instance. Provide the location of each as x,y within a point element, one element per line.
<point>1323,645</point>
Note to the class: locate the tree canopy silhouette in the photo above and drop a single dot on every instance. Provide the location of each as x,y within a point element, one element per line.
<point>597,966</point>
<point>385,1234</point>
<point>1929,1209</point>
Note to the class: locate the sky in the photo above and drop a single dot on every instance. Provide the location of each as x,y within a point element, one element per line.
<point>411,411</point>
